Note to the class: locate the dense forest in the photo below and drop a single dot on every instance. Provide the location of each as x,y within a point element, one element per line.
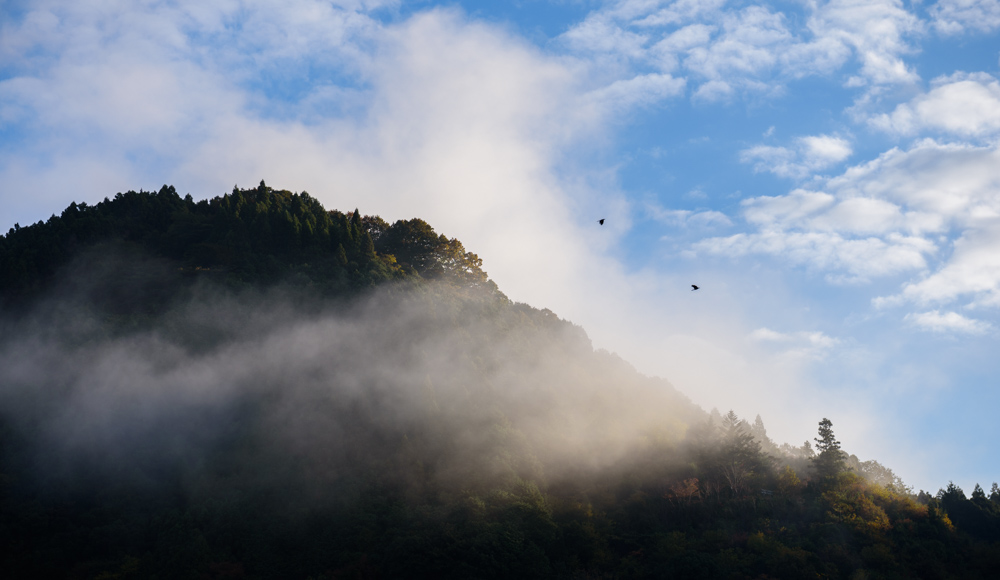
<point>253,386</point>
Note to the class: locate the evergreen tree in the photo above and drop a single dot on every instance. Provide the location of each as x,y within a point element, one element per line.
<point>758,430</point>
<point>830,460</point>
<point>951,493</point>
<point>741,460</point>
<point>738,443</point>
<point>760,435</point>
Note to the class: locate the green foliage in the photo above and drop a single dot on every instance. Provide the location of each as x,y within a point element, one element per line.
<point>977,515</point>
<point>415,245</point>
<point>877,473</point>
<point>248,237</point>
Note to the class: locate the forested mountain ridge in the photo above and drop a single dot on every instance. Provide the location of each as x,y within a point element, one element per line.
<point>255,387</point>
<point>246,237</point>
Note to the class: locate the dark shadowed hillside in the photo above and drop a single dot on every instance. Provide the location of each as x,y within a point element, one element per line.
<point>255,387</point>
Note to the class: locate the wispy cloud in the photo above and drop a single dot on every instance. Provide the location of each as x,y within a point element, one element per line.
<point>801,344</point>
<point>647,89</point>
<point>931,210</point>
<point>724,52</point>
<point>948,322</point>
<point>809,154</point>
<point>845,260</point>
<point>687,218</point>
<point>951,17</point>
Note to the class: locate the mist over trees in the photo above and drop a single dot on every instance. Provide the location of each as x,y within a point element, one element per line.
<point>253,386</point>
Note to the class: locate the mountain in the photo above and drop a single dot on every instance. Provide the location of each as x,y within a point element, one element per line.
<point>255,387</point>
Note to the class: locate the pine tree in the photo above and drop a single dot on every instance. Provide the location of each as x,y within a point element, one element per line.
<point>741,459</point>
<point>715,417</point>
<point>758,430</point>
<point>830,460</point>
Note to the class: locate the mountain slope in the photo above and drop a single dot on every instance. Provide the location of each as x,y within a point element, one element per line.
<point>252,386</point>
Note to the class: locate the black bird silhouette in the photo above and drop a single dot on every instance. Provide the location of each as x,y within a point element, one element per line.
<point>601,221</point>
<point>693,287</point>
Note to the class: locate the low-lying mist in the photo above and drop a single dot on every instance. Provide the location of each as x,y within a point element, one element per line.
<point>223,391</point>
<point>164,420</point>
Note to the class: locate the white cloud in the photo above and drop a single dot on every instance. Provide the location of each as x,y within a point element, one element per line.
<point>802,344</point>
<point>938,185</point>
<point>674,13</point>
<point>948,322</point>
<point>778,160</point>
<point>166,69</point>
<point>810,210</point>
<point>786,211</point>
<point>686,218</point>
<point>862,259</point>
<point>932,212</point>
<point>725,52</point>
<point>973,271</point>
<point>599,33</point>
<point>823,150</point>
<point>861,216</point>
<point>810,154</point>
<point>646,89</point>
<point>747,46</point>
<point>927,189</point>
<point>686,38</point>
<point>876,30</point>
<point>958,16</point>
<point>967,105</point>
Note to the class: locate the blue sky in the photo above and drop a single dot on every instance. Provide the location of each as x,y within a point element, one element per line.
<point>827,172</point>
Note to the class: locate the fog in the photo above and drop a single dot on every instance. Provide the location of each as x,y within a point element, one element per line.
<point>156,420</point>
<point>125,376</point>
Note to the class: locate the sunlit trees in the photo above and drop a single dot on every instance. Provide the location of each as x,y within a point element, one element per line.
<point>879,474</point>
<point>416,245</point>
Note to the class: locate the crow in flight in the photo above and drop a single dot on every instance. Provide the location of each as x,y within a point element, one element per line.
<point>693,287</point>
<point>601,221</point>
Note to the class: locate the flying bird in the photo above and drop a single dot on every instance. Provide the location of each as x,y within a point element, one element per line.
<point>693,287</point>
<point>601,221</point>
